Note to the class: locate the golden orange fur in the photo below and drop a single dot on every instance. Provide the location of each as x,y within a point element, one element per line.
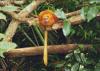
<point>47,18</point>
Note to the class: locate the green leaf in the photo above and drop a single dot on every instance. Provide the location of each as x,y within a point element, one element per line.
<point>60,65</point>
<point>83,12</point>
<point>60,14</point>
<point>83,58</point>
<point>1,36</point>
<point>77,57</point>
<point>9,8</point>
<point>81,45</point>
<point>72,32</point>
<point>94,1</point>
<point>81,68</point>
<point>88,13</point>
<point>66,28</point>
<point>66,69</point>
<point>6,46</point>
<point>97,67</point>
<point>75,67</point>
<point>92,13</point>
<point>2,16</point>
<point>77,51</point>
<point>68,55</point>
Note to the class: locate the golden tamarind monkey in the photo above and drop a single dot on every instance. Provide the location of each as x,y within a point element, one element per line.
<point>46,19</point>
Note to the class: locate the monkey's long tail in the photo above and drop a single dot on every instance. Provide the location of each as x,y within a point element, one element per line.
<point>45,56</point>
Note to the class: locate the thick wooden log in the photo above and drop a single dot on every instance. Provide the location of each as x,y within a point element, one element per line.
<point>52,49</point>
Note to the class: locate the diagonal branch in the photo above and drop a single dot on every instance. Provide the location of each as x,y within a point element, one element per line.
<point>14,23</point>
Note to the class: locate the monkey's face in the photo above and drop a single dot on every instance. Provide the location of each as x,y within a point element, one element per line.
<point>47,18</point>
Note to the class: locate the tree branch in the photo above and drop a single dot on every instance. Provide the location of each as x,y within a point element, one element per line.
<point>52,49</point>
<point>74,19</point>
<point>73,13</point>
<point>14,23</point>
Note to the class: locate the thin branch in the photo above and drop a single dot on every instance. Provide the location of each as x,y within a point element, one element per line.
<point>74,19</point>
<point>15,16</point>
<point>73,13</point>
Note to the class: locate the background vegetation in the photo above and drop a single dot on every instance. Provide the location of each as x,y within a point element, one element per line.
<point>86,33</point>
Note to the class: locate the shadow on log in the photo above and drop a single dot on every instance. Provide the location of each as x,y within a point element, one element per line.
<point>52,49</point>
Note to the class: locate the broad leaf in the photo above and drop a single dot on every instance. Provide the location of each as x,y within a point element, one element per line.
<point>77,57</point>
<point>83,12</point>
<point>81,68</point>
<point>68,55</point>
<point>60,14</point>
<point>92,13</point>
<point>97,67</point>
<point>66,28</point>
<point>83,58</point>
<point>60,65</point>
<point>9,8</point>
<point>2,16</point>
<point>1,36</point>
<point>94,1</point>
<point>75,67</point>
<point>88,13</point>
<point>6,46</point>
<point>77,51</point>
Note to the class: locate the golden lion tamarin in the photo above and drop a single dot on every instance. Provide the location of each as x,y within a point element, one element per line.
<point>46,19</point>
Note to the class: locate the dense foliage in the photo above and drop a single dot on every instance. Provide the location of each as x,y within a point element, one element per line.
<point>88,32</point>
